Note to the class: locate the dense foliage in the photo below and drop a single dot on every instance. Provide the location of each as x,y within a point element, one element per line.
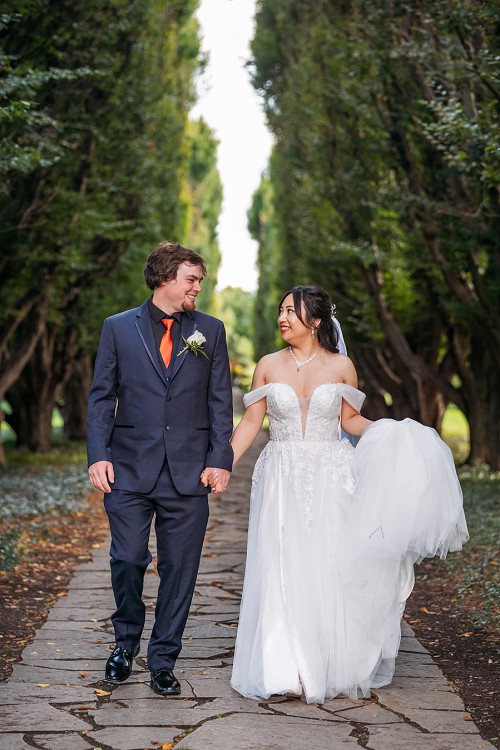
<point>235,307</point>
<point>98,162</point>
<point>384,188</point>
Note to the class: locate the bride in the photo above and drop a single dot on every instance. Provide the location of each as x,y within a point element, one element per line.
<point>334,531</point>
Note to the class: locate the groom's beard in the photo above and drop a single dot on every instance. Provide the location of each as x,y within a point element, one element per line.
<point>188,306</point>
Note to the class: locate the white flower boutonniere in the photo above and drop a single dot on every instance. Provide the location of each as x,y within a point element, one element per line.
<point>194,343</point>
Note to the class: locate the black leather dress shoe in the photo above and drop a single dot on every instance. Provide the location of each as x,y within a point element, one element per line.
<point>164,682</point>
<point>119,664</point>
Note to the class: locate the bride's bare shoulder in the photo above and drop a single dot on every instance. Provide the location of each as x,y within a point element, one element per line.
<point>273,357</point>
<point>267,365</point>
<point>343,368</point>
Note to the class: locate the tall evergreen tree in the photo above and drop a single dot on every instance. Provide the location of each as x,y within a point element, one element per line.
<point>386,190</point>
<point>95,170</point>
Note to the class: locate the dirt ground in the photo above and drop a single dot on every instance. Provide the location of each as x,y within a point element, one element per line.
<point>28,591</point>
<point>468,658</point>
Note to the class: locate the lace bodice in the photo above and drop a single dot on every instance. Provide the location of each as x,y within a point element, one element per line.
<point>314,419</point>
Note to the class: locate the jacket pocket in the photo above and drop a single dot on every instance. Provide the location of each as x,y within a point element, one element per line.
<point>202,429</point>
<point>124,426</point>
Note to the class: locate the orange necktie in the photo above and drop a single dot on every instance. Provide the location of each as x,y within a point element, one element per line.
<point>166,341</point>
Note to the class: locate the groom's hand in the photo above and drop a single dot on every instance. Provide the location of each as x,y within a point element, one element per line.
<point>101,474</point>
<point>218,479</point>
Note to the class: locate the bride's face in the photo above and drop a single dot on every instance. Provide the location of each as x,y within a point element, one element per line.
<point>291,327</point>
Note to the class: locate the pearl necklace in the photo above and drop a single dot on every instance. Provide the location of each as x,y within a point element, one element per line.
<point>298,362</point>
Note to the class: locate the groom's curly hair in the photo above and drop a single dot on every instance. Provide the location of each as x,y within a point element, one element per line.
<point>163,263</point>
<point>312,303</point>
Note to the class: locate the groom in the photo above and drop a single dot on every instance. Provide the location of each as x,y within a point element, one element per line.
<point>159,417</point>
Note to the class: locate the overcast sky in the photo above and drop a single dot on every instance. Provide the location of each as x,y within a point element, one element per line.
<point>229,104</point>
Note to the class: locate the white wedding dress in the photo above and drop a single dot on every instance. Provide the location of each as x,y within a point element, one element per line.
<point>333,535</point>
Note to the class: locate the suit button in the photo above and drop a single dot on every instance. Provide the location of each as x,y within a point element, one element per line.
<point>169,398</point>
<point>167,427</point>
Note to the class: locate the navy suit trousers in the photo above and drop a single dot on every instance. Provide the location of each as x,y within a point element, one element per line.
<point>180,525</point>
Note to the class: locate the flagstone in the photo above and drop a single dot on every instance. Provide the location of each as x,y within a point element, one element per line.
<point>411,645</point>
<point>39,716</point>
<point>370,714</point>
<point>61,741</point>
<point>420,696</point>
<point>65,650</point>
<point>437,720</point>
<point>78,614</point>
<point>41,692</point>
<point>269,733</point>
<point>23,673</point>
<point>299,709</point>
<point>397,737</point>
<point>14,741</point>
<point>401,682</point>
<point>132,738</point>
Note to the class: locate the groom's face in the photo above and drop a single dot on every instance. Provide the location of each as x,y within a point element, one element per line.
<point>180,293</point>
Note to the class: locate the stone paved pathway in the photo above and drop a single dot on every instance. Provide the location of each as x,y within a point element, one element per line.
<point>56,698</point>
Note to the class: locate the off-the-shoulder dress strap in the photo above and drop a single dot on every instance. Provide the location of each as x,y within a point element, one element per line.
<point>253,396</point>
<point>352,395</point>
<point>348,392</point>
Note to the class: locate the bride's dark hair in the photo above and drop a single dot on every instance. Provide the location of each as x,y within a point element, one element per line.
<point>317,304</point>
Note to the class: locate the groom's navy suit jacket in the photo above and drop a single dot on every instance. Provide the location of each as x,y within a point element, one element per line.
<point>139,412</point>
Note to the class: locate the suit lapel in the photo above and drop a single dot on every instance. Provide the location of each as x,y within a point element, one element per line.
<point>143,325</point>
<point>188,327</point>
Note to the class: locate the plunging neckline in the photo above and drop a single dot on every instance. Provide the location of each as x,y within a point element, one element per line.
<point>303,412</point>
<point>349,393</point>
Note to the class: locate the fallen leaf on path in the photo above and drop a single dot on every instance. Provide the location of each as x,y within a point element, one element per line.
<point>102,692</point>
<point>43,684</point>
<point>427,612</point>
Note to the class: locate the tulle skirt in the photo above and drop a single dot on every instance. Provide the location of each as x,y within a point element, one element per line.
<point>333,536</point>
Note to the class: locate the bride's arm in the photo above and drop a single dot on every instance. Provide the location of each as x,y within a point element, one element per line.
<point>350,419</point>
<point>248,428</point>
<point>250,424</point>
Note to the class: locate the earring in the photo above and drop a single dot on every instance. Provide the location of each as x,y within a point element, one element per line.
<point>312,333</point>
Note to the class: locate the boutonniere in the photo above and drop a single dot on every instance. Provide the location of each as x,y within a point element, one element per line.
<point>194,343</point>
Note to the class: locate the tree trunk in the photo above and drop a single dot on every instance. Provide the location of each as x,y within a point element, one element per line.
<point>412,395</point>
<point>33,402</point>
<point>483,414</point>
<point>23,337</point>
<point>376,379</point>
<point>33,398</point>
<point>74,409</point>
